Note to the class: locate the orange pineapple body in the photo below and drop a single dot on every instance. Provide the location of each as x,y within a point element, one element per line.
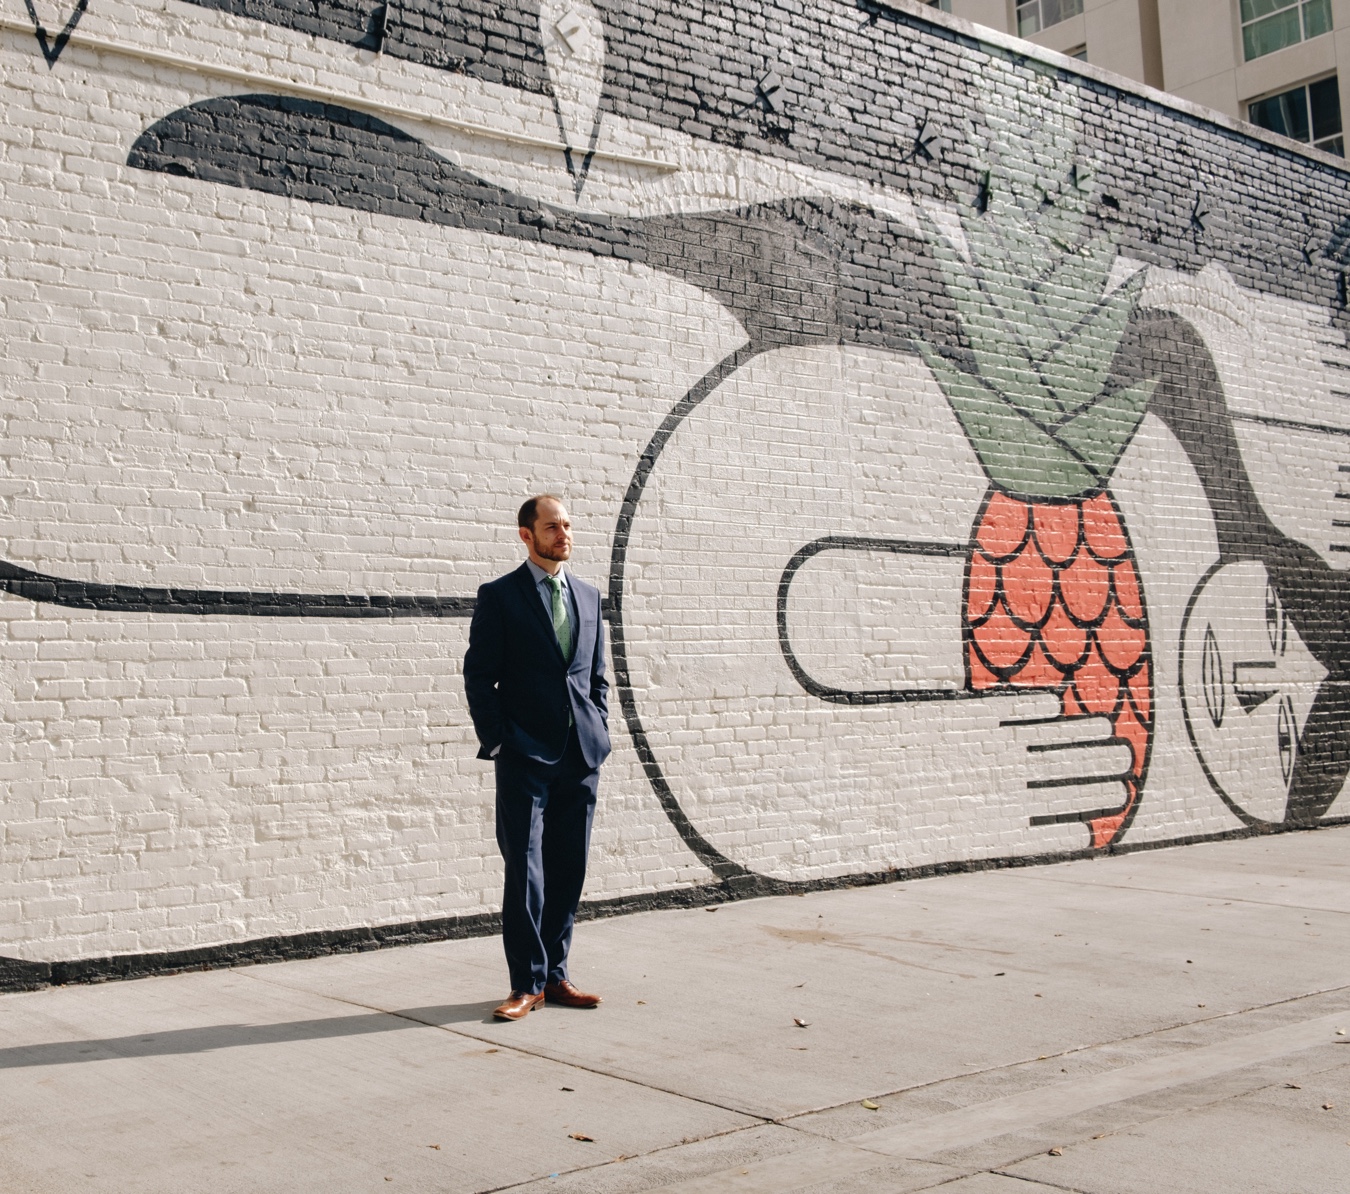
<point>1053,601</point>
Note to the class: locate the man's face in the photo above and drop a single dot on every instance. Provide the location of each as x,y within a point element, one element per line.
<point>550,539</point>
<point>1248,683</point>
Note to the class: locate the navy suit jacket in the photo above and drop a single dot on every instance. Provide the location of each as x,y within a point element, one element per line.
<point>521,690</point>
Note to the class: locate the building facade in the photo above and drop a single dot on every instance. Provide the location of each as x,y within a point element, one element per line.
<point>959,441</point>
<point>1280,64</point>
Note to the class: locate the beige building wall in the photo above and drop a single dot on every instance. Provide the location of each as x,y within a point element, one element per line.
<point>994,14</point>
<point>1192,48</point>
<point>1202,56</point>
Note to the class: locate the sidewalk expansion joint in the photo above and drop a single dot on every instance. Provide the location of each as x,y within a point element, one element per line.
<point>1193,895</point>
<point>922,1138</point>
<point>1025,1110</point>
<point>1075,1051</point>
<point>1042,1182</point>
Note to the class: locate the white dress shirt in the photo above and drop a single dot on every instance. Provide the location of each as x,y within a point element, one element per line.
<point>545,590</point>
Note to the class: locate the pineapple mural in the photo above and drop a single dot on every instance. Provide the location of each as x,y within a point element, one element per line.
<point>1052,599</point>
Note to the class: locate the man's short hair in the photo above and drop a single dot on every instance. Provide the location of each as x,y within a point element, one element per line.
<point>529,511</point>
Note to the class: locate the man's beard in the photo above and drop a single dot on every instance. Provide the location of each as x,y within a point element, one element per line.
<point>557,554</point>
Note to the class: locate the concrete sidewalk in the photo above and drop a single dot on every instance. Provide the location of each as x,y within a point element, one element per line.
<point>1169,1020</point>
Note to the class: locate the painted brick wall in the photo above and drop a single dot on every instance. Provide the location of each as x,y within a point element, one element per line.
<point>960,442</point>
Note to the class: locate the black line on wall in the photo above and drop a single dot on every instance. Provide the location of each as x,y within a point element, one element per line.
<point>79,594</point>
<point>1292,424</point>
<point>1215,781</point>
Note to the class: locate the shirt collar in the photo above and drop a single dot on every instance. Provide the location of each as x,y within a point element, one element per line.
<point>540,575</point>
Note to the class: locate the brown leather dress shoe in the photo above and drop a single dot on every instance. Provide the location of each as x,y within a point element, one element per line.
<point>518,1006</point>
<point>562,992</point>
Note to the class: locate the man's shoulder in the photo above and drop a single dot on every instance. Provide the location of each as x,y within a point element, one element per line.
<point>502,584</point>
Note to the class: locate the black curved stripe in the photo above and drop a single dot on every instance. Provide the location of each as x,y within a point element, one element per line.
<point>708,854</point>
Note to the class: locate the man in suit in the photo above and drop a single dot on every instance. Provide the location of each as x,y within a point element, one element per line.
<point>534,676</point>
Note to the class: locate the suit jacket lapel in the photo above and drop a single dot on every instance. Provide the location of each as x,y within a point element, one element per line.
<point>585,630</point>
<point>530,595</point>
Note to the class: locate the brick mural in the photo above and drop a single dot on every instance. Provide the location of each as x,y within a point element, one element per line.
<point>960,442</point>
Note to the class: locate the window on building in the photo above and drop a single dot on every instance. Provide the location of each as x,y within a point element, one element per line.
<point>1310,112</point>
<point>940,5</point>
<point>1270,25</point>
<point>1035,15</point>
<point>1079,52</point>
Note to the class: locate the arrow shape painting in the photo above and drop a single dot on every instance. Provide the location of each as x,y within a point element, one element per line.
<point>574,49</point>
<point>51,48</point>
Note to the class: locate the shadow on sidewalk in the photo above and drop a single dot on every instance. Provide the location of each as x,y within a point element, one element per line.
<point>232,1036</point>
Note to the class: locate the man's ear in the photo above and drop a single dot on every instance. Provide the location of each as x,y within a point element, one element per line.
<point>525,535</point>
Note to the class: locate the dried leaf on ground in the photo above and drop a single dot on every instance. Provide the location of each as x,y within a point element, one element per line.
<point>582,1136</point>
<point>871,1106</point>
<point>1056,1151</point>
<point>801,1023</point>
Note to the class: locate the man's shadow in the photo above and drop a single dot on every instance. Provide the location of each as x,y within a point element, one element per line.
<point>230,1036</point>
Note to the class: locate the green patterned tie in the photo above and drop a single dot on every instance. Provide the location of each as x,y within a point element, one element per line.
<point>561,626</point>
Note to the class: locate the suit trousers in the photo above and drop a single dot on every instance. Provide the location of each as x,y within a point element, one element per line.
<point>544,814</point>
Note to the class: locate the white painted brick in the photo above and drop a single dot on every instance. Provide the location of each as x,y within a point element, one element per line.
<point>211,388</point>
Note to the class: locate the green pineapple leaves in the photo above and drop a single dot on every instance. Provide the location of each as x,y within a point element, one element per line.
<point>1100,432</point>
<point>1031,295</point>
<point>1017,451</point>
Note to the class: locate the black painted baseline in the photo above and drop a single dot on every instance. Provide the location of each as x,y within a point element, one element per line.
<point>17,974</point>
